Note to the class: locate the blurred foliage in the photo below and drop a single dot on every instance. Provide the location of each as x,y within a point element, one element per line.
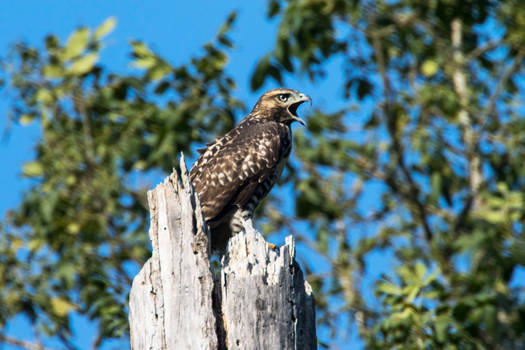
<point>422,167</point>
<point>438,87</point>
<point>69,245</point>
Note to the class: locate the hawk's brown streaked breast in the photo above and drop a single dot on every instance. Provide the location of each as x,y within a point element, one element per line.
<point>236,171</point>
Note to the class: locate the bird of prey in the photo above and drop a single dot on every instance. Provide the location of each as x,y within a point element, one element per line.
<point>237,170</point>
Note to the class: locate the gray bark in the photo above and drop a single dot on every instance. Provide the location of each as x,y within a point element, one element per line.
<point>266,302</point>
<point>171,297</point>
<point>259,300</point>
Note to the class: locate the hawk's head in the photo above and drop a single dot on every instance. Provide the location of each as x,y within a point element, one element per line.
<point>280,105</point>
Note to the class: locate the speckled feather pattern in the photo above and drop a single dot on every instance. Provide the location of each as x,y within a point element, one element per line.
<point>238,169</point>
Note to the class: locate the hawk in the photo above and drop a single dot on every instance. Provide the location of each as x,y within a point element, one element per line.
<point>237,170</point>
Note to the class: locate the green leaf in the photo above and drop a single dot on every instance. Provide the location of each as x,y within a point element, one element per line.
<point>259,75</point>
<point>52,42</point>
<point>105,28</point>
<point>430,278</point>
<point>403,315</point>
<point>421,271</point>
<point>53,71</point>
<point>73,228</point>
<point>26,119</point>
<point>140,49</point>
<point>275,73</point>
<point>159,71</point>
<point>145,63</point>
<point>429,68</point>
<point>35,244</point>
<point>273,8</point>
<point>388,288</point>
<point>441,326</point>
<point>61,306</point>
<point>76,44</point>
<point>436,185</point>
<point>33,169</point>
<point>44,96</point>
<point>226,26</point>
<point>411,293</point>
<point>162,87</point>
<point>83,64</point>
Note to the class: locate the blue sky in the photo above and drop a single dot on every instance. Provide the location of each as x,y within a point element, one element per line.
<point>176,30</point>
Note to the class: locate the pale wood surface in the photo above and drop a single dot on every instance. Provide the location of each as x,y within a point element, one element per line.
<point>266,302</point>
<point>260,299</point>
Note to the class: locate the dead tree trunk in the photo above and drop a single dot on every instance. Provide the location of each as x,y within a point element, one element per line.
<point>259,300</point>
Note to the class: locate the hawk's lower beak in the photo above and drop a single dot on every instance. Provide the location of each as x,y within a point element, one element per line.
<point>297,119</point>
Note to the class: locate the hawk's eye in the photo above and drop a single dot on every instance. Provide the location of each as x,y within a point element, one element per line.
<point>283,97</point>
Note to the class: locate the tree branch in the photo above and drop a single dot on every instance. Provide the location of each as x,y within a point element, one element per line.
<point>23,344</point>
<point>489,110</point>
<point>480,50</point>
<point>413,195</point>
<point>469,135</point>
<point>80,106</point>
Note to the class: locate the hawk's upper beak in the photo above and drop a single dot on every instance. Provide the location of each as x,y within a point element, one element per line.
<point>301,98</point>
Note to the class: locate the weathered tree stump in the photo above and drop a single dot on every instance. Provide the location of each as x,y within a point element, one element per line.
<point>258,301</point>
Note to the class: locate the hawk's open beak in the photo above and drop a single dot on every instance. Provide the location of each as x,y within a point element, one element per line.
<point>301,98</point>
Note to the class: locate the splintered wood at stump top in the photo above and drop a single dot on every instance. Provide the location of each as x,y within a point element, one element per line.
<point>258,301</point>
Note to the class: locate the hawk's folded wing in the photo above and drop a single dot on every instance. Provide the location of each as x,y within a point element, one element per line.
<point>230,170</point>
